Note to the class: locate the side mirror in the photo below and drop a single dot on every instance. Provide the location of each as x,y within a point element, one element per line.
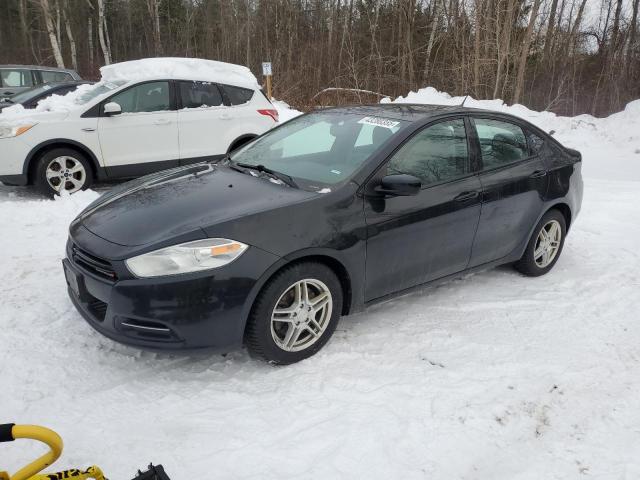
<point>399,185</point>
<point>111,109</point>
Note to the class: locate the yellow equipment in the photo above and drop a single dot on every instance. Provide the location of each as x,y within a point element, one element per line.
<point>10,432</point>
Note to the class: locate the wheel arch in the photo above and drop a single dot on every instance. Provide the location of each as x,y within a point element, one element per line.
<point>565,210</point>
<point>40,149</point>
<point>323,257</point>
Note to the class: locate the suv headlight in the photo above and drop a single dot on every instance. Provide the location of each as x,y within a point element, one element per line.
<point>8,131</point>
<point>186,257</point>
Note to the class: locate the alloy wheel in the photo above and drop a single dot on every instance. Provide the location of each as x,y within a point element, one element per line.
<point>301,315</point>
<point>547,244</point>
<point>66,174</point>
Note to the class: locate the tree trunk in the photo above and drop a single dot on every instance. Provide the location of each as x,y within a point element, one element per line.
<point>53,38</point>
<point>106,53</point>
<point>524,52</point>
<point>72,42</point>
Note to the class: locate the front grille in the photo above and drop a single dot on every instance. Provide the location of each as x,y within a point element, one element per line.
<point>93,264</point>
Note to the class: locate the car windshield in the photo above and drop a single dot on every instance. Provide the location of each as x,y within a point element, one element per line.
<point>96,90</point>
<point>320,149</point>
<point>29,94</point>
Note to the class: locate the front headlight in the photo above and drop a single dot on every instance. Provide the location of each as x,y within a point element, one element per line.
<point>186,257</point>
<point>8,131</point>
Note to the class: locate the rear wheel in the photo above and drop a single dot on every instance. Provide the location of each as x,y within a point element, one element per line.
<point>62,169</point>
<point>545,245</point>
<point>295,314</point>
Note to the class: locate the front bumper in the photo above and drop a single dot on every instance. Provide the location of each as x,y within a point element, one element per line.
<point>190,311</point>
<point>13,154</point>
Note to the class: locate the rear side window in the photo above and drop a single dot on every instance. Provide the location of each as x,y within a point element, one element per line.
<point>51,76</point>
<point>501,143</point>
<point>238,95</point>
<point>436,154</point>
<point>16,78</point>
<point>199,94</point>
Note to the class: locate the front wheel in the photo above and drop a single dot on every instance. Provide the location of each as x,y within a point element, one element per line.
<point>62,169</point>
<point>545,245</point>
<point>295,314</point>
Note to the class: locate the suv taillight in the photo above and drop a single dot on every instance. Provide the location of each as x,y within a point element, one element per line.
<point>273,113</point>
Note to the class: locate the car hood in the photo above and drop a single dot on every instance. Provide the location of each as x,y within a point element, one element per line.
<point>16,114</point>
<point>180,203</point>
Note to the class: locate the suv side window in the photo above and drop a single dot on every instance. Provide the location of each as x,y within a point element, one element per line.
<point>438,153</point>
<point>146,97</point>
<point>501,142</point>
<point>51,76</point>
<point>199,94</point>
<point>16,78</point>
<point>238,95</point>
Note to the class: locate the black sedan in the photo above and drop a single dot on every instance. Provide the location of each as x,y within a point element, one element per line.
<point>30,98</point>
<point>315,219</point>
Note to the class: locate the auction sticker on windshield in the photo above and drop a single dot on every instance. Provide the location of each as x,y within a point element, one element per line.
<point>379,122</point>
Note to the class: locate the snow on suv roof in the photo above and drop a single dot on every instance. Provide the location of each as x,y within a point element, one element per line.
<point>181,69</point>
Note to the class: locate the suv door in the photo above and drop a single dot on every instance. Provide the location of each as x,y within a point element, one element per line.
<point>201,121</point>
<point>414,239</point>
<point>144,137</point>
<point>514,186</point>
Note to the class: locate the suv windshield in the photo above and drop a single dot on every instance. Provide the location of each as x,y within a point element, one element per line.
<point>322,148</point>
<point>96,90</point>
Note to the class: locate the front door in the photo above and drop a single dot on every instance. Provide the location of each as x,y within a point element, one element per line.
<point>514,186</point>
<point>415,239</point>
<point>144,137</point>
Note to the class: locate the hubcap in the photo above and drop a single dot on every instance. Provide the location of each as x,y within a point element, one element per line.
<point>66,173</point>
<point>301,315</point>
<point>547,244</point>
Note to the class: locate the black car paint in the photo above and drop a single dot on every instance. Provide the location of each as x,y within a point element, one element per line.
<point>368,239</point>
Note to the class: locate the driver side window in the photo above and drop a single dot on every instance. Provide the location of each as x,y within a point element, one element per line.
<point>437,154</point>
<point>147,97</point>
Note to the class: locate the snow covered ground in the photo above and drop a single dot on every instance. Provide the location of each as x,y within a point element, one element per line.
<point>491,376</point>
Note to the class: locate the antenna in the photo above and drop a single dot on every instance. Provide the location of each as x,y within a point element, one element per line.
<point>465,99</point>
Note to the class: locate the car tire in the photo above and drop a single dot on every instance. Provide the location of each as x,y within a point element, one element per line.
<point>545,245</point>
<point>62,169</point>
<point>286,324</point>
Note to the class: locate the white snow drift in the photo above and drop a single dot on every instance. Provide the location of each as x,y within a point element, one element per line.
<point>492,376</point>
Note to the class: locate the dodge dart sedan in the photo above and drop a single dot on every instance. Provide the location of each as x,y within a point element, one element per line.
<point>316,219</point>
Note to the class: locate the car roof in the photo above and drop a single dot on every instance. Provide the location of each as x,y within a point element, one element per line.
<point>416,111</point>
<point>38,67</point>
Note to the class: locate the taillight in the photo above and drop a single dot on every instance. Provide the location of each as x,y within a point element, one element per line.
<point>273,113</point>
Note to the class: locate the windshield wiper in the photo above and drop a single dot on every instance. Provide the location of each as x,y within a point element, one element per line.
<point>283,177</point>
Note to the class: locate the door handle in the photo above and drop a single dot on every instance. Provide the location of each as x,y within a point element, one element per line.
<point>538,174</point>
<point>88,129</point>
<point>465,196</point>
<point>162,121</point>
<point>225,116</point>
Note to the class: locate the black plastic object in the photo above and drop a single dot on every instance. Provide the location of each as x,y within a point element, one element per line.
<point>153,473</point>
<point>5,432</point>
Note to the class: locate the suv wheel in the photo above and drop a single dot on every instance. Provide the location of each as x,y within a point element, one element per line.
<point>62,169</point>
<point>295,314</point>
<point>545,245</point>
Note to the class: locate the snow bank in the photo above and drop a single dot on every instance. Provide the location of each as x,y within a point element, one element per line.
<point>185,68</point>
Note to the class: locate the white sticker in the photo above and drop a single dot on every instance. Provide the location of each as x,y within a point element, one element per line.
<point>379,122</point>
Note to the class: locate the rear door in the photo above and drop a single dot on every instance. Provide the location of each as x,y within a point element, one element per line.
<point>202,121</point>
<point>144,137</point>
<point>514,186</point>
<point>415,239</point>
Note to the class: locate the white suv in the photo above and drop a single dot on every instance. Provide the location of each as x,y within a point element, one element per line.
<point>121,128</point>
